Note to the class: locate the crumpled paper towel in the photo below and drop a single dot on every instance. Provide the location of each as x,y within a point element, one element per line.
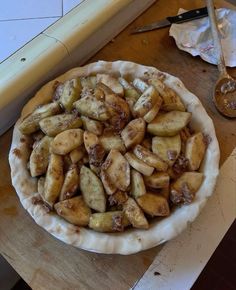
<point>195,36</point>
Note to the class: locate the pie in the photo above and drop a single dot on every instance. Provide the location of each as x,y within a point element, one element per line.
<point>114,157</point>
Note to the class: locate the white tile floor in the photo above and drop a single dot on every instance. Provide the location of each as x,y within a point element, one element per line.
<point>22,20</point>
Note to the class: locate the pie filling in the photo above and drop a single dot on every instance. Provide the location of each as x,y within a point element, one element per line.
<point>110,153</point>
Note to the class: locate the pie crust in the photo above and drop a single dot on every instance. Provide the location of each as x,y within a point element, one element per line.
<point>132,240</point>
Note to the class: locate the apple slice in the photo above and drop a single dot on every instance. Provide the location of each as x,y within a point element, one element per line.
<point>135,214</point>
<point>183,190</point>
<point>154,204</point>
<point>117,169</point>
<point>146,102</point>
<point>157,180</point>
<point>140,84</point>
<point>138,164</point>
<point>74,210</point>
<point>134,132</point>
<point>171,101</point>
<point>150,158</point>
<point>167,148</point>
<point>92,190</point>
<point>137,184</point>
<point>112,83</point>
<point>169,124</point>
<point>195,150</point>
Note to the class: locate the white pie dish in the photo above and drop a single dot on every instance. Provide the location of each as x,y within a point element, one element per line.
<point>133,240</point>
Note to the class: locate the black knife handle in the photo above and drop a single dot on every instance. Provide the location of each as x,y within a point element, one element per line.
<point>190,15</point>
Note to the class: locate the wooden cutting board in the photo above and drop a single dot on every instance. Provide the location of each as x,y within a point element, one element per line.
<point>46,263</point>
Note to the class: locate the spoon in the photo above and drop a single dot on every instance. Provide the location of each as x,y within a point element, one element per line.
<point>224,94</point>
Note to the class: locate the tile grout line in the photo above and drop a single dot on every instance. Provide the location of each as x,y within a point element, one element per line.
<point>42,32</point>
<point>16,19</point>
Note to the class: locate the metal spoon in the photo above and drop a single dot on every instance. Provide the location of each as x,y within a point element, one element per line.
<point>224,94</point>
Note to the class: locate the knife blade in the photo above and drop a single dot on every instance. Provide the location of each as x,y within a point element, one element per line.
<point>183,17</point>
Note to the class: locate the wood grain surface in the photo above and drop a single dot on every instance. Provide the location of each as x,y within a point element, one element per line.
<point>46,263</point>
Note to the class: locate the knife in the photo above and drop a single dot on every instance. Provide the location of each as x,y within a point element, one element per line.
<point>184,17</point>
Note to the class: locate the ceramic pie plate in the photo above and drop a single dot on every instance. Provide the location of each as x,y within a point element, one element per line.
<point>132,240</point>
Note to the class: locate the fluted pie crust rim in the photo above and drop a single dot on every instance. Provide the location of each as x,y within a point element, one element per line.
<point>133,240</point>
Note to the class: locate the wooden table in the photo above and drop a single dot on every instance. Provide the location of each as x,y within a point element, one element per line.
<point>46,263</point>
